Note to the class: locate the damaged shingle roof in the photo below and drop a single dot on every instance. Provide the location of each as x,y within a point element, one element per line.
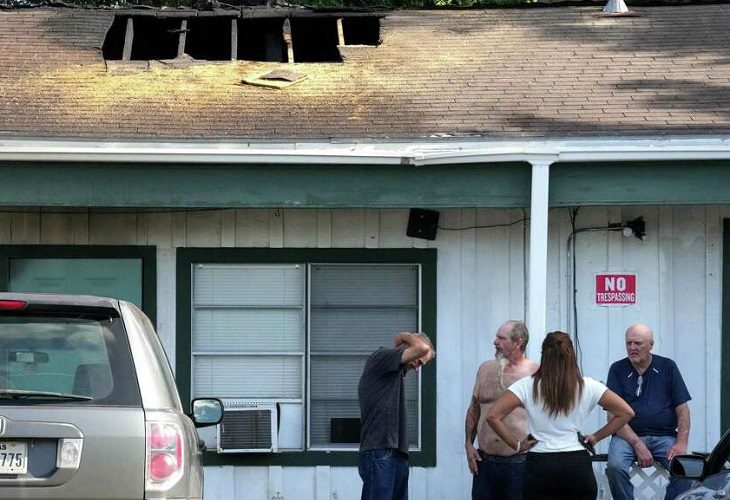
<point>493,73</point>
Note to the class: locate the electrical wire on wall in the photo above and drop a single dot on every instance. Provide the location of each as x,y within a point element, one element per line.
<point>634,227</point>
<point>524,220</point>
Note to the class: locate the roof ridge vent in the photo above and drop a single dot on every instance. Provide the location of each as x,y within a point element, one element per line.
<point>615,7</point>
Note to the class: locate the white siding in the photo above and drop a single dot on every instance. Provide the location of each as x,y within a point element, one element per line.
<point>481,283</point>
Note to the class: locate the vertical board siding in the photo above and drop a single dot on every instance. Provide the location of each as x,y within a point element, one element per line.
<point>5,224</point>
<point>56,228</point>
<point>25,228</point>
<point>713,325</point>
<point>481,283</point>
<point>300,229</point>
<point>113,229</point>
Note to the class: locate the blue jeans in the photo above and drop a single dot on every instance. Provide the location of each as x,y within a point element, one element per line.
<point>384,474</point>
<point>498,478</point>
<point>620,457</point>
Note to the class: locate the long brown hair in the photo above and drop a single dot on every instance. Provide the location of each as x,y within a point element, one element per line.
<point>558,382</point>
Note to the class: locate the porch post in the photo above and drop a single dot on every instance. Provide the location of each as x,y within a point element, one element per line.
<point>537,276</point>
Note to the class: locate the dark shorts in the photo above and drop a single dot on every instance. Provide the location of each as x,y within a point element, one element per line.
<point>499,477</point>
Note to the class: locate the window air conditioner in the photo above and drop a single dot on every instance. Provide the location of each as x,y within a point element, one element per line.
<point>248,426</point>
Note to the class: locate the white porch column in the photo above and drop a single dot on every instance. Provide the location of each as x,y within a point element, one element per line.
<point>537,276</point>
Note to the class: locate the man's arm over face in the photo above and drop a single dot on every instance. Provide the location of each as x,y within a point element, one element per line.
<point>415,347</point>
<point>683,423</point>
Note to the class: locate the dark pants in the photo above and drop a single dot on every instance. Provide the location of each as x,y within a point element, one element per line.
<point>499,478</point>
<point>384,474</point>
<point>558,476</point>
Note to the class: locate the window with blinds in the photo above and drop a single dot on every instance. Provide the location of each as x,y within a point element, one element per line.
<point>258,329</point>
<point>354,309</point>
<point>248,331</point>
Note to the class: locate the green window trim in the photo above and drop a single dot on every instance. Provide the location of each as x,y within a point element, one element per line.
<point>186,257</point>
<point>725,348</point>
<point>147,254</point>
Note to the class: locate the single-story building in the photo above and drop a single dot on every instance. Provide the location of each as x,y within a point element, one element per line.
<point>247,177</point>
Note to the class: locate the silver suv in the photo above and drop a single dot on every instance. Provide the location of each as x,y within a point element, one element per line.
<point>88,404</point>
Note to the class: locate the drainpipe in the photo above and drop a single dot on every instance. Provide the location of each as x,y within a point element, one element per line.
<point>537,276</point>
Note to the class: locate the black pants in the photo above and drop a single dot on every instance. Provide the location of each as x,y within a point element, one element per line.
<point>560,476</point>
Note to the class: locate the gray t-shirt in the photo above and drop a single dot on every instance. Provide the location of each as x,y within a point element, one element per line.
<point>383,402</point>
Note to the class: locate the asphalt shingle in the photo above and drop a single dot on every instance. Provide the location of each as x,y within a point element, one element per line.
<point>493,73</point>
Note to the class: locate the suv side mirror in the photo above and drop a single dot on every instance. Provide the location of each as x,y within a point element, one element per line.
<point>687,466</point>
<point>206,411</point>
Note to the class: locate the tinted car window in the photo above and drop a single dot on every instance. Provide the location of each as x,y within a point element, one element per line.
<point>71,355</point>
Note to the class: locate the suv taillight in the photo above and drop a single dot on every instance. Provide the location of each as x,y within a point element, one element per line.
<point>165,455</point>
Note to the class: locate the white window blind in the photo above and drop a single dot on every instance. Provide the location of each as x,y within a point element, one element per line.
<point>248,330</point>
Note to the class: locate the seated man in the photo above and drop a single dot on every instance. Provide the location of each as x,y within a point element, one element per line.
<point>655,390</point>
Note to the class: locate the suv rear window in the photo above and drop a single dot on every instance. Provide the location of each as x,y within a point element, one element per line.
<point>84,359</point>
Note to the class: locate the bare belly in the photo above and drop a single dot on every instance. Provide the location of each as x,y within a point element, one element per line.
<point>490,442</point>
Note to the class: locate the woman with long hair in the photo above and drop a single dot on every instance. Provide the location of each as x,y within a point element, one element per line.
<point>558,400</point>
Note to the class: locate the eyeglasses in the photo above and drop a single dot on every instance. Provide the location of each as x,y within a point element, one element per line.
<point>639,382</point>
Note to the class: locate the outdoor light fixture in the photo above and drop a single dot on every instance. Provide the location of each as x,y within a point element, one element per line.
<point>635,227</point>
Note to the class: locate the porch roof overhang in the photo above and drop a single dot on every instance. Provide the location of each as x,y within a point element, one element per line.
<point>435,173</point>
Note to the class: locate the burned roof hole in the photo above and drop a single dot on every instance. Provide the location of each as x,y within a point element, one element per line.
<point>261,40</point>
<point>142,38</point>
<point>209,38</point>
<point>155,38</point>
<point>114,41</point>
<point>361,30</point>
<point>315,40</point>
<point>305,39</point>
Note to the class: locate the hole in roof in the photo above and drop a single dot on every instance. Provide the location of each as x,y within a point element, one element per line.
<point>361,30</point>
<point>315,40</point>
<point>208,38</point>
<point>261,39</point>
<point>114,40</point>
<point>155,38</point>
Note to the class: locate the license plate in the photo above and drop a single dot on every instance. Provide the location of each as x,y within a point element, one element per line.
<point>13,457</point>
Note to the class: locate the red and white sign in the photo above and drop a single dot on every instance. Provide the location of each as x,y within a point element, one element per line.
<point>615,289</point>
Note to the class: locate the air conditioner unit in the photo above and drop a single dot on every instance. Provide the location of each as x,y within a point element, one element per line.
<point>248,426</point>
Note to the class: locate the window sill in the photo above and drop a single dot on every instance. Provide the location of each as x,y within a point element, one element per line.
<point>311,458</point>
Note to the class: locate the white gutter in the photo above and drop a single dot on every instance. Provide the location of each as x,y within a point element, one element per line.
<point>437,151</point>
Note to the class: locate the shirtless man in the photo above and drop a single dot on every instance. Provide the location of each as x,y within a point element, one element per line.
<point>497,468</point>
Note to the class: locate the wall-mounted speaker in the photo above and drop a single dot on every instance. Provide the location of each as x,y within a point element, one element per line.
<point>422,223</point>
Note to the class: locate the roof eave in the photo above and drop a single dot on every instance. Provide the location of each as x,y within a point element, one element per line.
<point>441,151</point>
